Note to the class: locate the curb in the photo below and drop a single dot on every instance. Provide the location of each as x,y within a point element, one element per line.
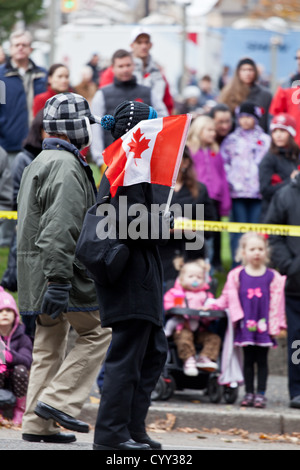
<point>251,420</point>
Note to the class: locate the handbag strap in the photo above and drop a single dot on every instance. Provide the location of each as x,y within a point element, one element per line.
<point>104,195</point>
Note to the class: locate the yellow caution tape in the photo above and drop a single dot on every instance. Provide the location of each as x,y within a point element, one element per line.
<point>215,226</point>
<point>8,215</point>
<point>238,227</point>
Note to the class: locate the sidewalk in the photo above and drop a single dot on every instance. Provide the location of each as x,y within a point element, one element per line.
<point>192,409</point>
<point>176,423</point>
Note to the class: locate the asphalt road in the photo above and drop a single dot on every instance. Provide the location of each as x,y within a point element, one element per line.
<point>173,442</point>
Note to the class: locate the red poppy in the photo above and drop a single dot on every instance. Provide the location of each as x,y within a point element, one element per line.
<point>275,179</point>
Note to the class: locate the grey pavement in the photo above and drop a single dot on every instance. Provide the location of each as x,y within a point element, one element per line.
<point>181,423</point>
<point>193,409</point>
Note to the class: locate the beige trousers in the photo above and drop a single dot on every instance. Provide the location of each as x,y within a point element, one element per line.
<point>61,381</point>
<point>185,340</point>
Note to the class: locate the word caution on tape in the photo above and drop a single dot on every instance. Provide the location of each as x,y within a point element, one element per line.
<point>238,227</point>
<point>215,226</point>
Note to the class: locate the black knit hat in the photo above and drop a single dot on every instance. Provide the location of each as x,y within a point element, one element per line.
<point>250,109</point>
<point>126,115</point>
<point>246,61</point>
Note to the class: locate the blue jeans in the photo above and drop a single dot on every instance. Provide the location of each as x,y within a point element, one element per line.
<point>243,210</point>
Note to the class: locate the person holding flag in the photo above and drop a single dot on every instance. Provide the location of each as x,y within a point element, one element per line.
<point>132,306</point>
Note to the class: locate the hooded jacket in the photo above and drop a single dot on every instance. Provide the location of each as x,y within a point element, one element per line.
<point>18,345</point>
<point>56,191</point>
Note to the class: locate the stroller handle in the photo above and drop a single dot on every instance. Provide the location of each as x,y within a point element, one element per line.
<point>192,312</point>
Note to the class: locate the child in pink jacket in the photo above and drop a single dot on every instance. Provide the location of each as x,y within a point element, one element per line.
<point>192,291</point>
<point>254,297</point>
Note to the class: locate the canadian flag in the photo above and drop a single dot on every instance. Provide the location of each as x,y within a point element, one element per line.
<point>150,152</point>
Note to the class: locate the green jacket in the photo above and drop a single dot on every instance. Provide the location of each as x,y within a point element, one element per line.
<point>54,195</point>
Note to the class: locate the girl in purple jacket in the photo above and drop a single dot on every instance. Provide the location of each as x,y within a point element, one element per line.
<point>210,171</point>
<point>15,353</point>
<point>242,151</point>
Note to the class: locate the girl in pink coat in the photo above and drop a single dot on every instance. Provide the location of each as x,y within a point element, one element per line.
<point>254,297</point>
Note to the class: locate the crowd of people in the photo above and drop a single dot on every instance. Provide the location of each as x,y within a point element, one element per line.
<point>241,161</point>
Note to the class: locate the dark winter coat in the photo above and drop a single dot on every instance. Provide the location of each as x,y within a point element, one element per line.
<point>274,173</point>
<point>177,247</point>
<point>14,114</point>
<point>261,97</point>
<point>285,251</point>
<point>55,192</point>
<point>6,192</point>
<point>137,294</point>
<point>21,161</point>
<point>119,91</point>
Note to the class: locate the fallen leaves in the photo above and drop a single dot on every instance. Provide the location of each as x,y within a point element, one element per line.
<point>294,437</point>
<point>163,425</point>
<point>8,423</point>
<point>238,435</point>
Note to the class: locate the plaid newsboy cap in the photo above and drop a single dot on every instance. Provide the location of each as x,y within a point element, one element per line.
<point>69,114</point>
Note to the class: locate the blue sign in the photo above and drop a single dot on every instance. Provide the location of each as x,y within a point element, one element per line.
<point>255,43</point>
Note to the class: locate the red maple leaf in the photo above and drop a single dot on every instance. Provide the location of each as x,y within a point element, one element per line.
<point>138,144</point>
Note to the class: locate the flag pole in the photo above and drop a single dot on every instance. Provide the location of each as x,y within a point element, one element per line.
<point>169,200</point>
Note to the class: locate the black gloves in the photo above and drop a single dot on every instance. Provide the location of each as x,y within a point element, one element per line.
<point>56,299</point>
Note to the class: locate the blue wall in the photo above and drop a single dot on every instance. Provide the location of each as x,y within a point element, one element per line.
<point>255,43</point>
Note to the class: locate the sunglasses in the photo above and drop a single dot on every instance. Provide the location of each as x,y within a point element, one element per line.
<point>297,58</point>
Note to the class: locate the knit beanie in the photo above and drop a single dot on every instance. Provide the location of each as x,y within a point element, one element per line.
<point>7,301</point>
<point>246,61</point>
<point>247,108</point>
<point>284,121</point>
<point>126,115</point>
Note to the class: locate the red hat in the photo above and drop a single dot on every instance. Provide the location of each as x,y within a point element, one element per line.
<point>284,121</point>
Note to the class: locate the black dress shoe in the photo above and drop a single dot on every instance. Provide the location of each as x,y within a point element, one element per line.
<point>295,402</point>
<point>127,445</point>
<point>59,438</point>
<point>143,438</point>
<point>48,412</point>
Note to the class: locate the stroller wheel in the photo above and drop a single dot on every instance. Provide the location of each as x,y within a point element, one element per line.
<point>159,390</point>
<point>214,389</point>
<point>170,387</point>
<point>230,393</point>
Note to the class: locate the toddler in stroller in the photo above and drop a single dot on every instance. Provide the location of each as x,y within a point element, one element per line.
<point>191,365</point>
<point>191,291</point>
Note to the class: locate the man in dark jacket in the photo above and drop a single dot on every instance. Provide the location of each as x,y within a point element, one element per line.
<point>124,87</point>
<point>132,307</point>
<point>284,209</point>
<point>20,79</point>
<point>23,79</point>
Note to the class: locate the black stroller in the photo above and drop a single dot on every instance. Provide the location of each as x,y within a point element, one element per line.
<point>173,377</point>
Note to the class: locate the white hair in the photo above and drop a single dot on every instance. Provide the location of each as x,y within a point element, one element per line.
<point>19,33</point>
